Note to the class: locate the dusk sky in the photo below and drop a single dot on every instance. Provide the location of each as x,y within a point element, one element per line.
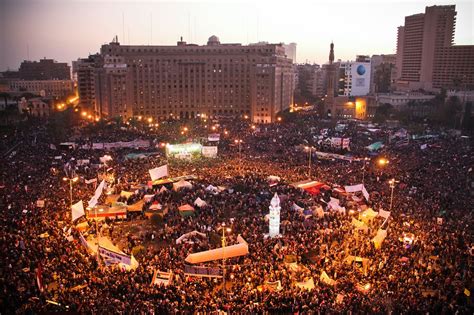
<point>68,29</point>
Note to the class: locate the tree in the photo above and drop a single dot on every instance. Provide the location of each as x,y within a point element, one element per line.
<point>156,220</point>
<point>382,113</point>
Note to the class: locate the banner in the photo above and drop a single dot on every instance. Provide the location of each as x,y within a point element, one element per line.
<point>162,278</point>
<point>77,210</point>
<point>40,203</point>
<point>359,225</point>
<point>345,143</point>
<point>240,249</point>
<point>353,188</point>
<point>97,194</point>
<point>306,285</point>
<point>104,159</point>
<point>213,137</point>
<point>379,238</point>
<point>208,272</point>
<point>83,241</point>
<point>325,155</point>
<point>158,172</point>
<point>209,152</point>
<point>117,145</point>
<point>114,257</point>
<point>365,193</point>
<point>186,236</point>
<point>336,142</point>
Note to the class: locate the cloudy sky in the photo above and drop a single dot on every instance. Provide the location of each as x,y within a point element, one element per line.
<point>68,29</point>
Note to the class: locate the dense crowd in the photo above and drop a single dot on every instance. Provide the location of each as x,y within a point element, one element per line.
<point>432,273</point>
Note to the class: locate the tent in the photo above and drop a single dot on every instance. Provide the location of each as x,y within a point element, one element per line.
<point>155,206</point>
<point>379,238</point>
<point>186,210</point>
<point>126,194</point>
<point>185,237</point>
<point>148,198</point>
<point>220,253</point>
<point>182,184</point>
<point>375,146</point>
<point>101,212</point>
<point>200,203</point>
<point>136,207</point>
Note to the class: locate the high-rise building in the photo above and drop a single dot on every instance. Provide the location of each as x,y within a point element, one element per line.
<point>383,73</point>
<point>188,81</point>
<point>84,69</point>
<point>426,56</point>
<point>45,69</point>
<point>354,77</point>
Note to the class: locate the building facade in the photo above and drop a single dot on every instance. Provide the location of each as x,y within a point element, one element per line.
<point>45,69</point>
<point>189,81</point>
<point>84,70</point>
<point>44,88</point>
<point>426,56</point>
<point>354,77</point>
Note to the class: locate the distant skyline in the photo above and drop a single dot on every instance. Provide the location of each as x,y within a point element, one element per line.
<point>71,29</point>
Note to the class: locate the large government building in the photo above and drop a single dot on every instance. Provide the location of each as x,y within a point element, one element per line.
<point>187,81</point>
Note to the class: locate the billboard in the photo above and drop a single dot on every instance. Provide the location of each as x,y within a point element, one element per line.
<point>184,151</point>
<point>360,72</point>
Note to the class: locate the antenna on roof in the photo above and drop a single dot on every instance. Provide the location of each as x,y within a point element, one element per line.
<point>123,26</point>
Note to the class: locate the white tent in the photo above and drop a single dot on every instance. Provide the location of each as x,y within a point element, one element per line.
<point>200,203</point>
<point>182,184</point>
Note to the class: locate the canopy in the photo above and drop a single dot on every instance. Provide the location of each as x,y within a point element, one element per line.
<point>375,146</point>
<point>126,194</point>
<point>220,253</point>
<point>136,207</point>
<point>185,237</point>
<point>155,206</point>
<point>200,203</point>
<point>186,207</point>
<point>182,184</point>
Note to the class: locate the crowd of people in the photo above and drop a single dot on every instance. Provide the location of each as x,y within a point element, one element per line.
<point>44,269</point>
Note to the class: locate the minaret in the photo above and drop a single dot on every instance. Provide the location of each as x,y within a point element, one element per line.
<point>329,101</point>
<point>274,216</point>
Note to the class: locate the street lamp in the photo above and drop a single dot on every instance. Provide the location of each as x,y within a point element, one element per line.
<point>383,161</point>
<point>224,229</point>
<point>363,170</point>
<point>71,180</point>
<point>239,141</point>
<point>392,183</point>
<point>309,161</point>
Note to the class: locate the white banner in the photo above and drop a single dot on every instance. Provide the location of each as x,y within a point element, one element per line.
<point>115,257</point>
<point>209,152</point>
<point>353,188</point>
<point>345,143</point>
<point>336,142</point>
<point>213,137</point>
<point>365,193</point>
<point>162,278</point>
<point>158,172</point>
<point>97,194</point>
<point>40,203</point>
<point>77,210</point>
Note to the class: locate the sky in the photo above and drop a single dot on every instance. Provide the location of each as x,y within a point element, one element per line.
<point>66,30</point>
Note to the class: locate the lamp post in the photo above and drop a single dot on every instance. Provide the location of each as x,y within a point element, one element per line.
<point>239,141</point>
<point>309,161</point>
<point>363,170</point>
<point>392,183</point>
<point>71,180</point>
<point>224,242</point>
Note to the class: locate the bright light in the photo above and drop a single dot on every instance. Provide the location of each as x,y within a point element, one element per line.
<point>64,178</point>
<point>84,114</point>
<point>185,128</point>
<point>279,118</point>
<point>253,127</point>
<point>150,120</point>
<point>226,132</point>
<point>246,117</point>
<point>139,117</point>
<point>97,119</point>
<point>75,179</point>
<point>228,229</point>
<point>213,128</point>
<point>383,162</point>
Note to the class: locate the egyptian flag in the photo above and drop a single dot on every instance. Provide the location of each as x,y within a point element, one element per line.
<point>39,277</point>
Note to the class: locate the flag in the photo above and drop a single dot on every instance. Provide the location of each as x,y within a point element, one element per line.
<point>162,278</point>
<point>104,159</point>
<point>365,193</point>
<point>325,278</point>
<point>353,188</point>
<point>423,146</point>
<point>158,172</point>
<point>77,210</point>
<point>39,277</point>
<point>52,147</point>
